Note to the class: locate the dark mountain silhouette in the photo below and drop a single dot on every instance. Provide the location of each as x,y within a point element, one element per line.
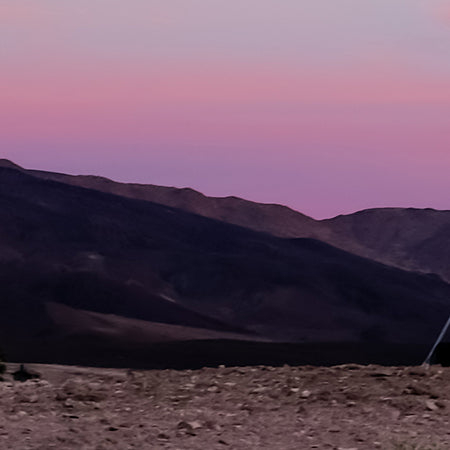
<point>407,238</point>
<point>275,219</point>
<point>88,270</point>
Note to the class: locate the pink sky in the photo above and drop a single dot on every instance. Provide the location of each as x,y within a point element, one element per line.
<point>328,107</point>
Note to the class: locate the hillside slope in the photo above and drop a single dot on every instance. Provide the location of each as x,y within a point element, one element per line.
<point>135,259</point>
<point>410,238</point>
<point>407,238</point>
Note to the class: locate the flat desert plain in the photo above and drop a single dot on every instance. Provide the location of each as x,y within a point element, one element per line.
<point>341,407</point>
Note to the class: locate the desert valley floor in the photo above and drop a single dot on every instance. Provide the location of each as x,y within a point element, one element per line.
<point>341,407</point>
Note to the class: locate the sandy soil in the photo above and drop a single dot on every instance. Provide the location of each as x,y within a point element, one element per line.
<point>345,407</point>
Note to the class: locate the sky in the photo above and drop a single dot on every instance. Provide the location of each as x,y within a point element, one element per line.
<point>327,106</point>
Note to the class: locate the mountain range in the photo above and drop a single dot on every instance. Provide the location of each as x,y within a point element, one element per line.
<point>91,267</point>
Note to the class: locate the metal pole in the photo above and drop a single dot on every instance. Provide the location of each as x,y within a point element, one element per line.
<point>438,340</point>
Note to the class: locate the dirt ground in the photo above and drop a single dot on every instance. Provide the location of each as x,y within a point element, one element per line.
<point>344,407</point>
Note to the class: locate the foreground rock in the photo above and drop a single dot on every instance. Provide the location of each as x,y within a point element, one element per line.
<point>344,407</point>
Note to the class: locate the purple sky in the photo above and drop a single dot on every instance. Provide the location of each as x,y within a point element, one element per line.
<point>326,106</point>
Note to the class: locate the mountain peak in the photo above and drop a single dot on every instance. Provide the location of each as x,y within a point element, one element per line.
<point>6,163</point>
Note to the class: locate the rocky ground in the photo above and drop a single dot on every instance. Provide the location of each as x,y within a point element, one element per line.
<point>344,407</point>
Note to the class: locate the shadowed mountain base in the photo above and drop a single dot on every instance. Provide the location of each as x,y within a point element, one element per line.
<point>213,353</point>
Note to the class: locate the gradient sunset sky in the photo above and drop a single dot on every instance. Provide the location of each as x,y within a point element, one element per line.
<point>327,106</point>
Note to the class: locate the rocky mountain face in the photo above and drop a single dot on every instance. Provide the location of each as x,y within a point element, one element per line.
<point>84,267</point>
<point>409,238</point>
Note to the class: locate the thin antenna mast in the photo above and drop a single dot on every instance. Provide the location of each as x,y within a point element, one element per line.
<point>438,340</point>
